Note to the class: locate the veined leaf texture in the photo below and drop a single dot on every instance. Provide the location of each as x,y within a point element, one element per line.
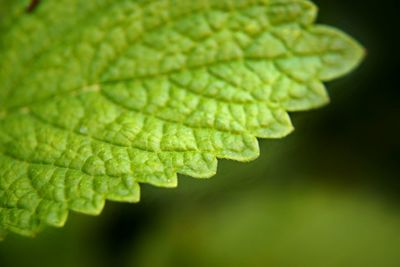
<point>99,96</point>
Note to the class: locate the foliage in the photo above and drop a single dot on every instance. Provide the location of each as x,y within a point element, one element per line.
<point>118,93</point>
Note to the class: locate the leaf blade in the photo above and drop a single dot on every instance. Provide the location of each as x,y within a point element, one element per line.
<point>145,90</point>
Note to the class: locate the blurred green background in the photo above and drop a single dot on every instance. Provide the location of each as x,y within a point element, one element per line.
<point>327,195</point>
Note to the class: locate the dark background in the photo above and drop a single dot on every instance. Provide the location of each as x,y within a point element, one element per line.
<point>361,126</point>
<point>348,147</point>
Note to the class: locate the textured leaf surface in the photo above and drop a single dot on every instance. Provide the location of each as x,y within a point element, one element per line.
<point>99,96</point>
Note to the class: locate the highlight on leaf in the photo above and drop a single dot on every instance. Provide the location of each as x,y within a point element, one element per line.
<point>118,93</point>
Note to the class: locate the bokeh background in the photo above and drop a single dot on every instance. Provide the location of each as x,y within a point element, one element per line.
<point>327,195</point>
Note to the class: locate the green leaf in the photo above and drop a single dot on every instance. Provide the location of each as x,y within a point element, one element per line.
<point>99,96</point>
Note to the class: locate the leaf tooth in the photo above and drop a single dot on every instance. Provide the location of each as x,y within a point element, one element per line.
<point>52,213</point>
<point>126,190</point>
